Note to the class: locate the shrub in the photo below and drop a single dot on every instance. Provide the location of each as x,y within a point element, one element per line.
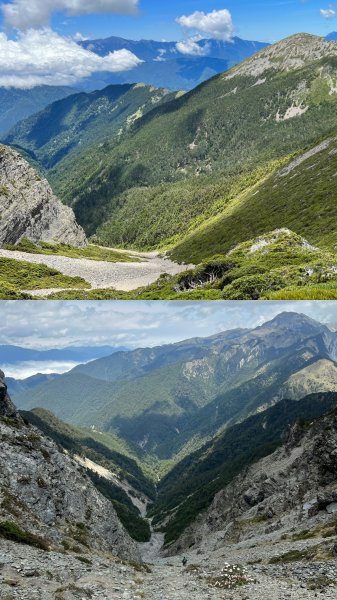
<point>11,531</point>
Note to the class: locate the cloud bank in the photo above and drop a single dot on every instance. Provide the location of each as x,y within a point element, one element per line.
<point>31,367</point>
<point>25,14</point>
<point>57,324</point>
<point>42,57</point>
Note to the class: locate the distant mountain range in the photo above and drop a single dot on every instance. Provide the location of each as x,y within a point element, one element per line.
<point>194,414</point>
<point>159,400</point>
<point>12,355</point>
<point>165,66</point>
<point>332,36</point>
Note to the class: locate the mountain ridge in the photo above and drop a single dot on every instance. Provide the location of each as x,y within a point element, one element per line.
<point>187,393</point>
<point>180,71</point>
<point>18,104</point>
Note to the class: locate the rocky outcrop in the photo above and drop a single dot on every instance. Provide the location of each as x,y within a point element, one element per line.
<point>7,408</point>
<point>292,53</point>
<point>28,207</point>
<point>293,489</point>
<point>45,492</point>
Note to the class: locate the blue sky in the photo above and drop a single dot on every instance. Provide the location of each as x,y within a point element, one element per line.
<point>267,20</point>
<point>39,38</point>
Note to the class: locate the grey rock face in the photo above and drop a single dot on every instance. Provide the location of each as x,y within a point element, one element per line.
<point>293,488</point>
<point>7,408</point>
<point>28,207</point>
<point>47,493</point>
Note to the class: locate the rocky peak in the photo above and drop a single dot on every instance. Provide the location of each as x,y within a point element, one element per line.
<point>296,321</point>
<point>28,207</point>
<point>7,408</point>
<point>292,53</point>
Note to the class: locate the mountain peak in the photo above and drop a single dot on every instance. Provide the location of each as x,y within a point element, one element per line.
<point>289,54</point>
<point>294,320</point>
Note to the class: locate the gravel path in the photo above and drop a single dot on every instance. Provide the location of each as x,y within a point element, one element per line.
<point>100,275</point>
<point>27,573</point>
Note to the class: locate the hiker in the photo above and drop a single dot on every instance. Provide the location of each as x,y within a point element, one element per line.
<point>184,561</point>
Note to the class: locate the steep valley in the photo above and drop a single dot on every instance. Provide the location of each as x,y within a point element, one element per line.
<point>253,510</point>
<point>193,182</point>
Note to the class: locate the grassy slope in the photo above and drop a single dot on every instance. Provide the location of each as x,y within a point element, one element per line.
<point>20,275</point>
<point>90,252</point>
<point>283,262</point>
<point>302,199</point>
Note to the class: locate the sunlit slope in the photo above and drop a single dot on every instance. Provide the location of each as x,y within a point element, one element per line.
<point>301,196</point>
<point>278,103</point>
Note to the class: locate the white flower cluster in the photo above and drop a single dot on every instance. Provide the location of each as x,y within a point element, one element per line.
<point>230,577</point>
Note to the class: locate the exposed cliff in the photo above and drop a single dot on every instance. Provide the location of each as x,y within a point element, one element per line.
<point>293,489</point>
<point>28,207</point>
<point>7,408</point>
<point>47,494</point>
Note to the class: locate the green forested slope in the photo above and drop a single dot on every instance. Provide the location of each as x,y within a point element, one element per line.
<point>19,104</point>
<point>70,125</point>
<point>228,127</point>
<point>301,195</point>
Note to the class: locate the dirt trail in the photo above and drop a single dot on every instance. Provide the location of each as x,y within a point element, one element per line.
<point>27,573</point>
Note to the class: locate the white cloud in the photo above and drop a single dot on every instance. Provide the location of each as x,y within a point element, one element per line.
<point>24,14</point>
<point>161,55</point>
<point>191,47</point>
<point>79,37</point>
<point>42,57</point>
<point>328,13</point>
<point>218,23</point>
